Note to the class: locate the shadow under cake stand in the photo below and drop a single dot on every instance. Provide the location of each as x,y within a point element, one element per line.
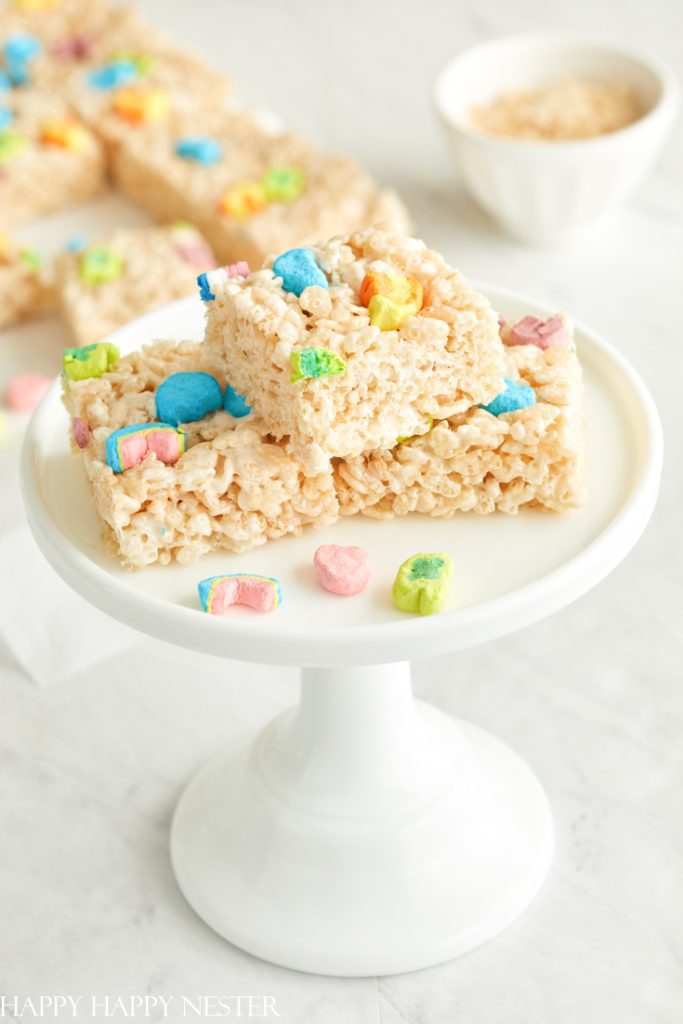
<point>364,832</point>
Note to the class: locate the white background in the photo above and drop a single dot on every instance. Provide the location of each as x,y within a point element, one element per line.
<point>90,769</point>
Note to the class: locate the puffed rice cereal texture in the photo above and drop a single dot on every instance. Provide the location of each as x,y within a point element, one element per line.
<point>234,488</point>
<point>155,270</point>
<point>437,364</point>
<point>37,177</point>
<point>477,462</point>
<point>337,195</point>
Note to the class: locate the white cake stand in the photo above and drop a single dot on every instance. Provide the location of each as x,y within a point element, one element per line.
<point>364,832</point>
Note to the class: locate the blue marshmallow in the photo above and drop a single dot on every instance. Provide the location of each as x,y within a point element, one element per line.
<point>21,47</point>
<point>112,75</point>
<point>186,397</point>
<point>205,293</point>
<point>516,396</point>
<point>6,117</point>
<point>298,270</point>
<point>202,150</point>
<point>235,404</point>
<point>5,84</point>
<point>76,244</point>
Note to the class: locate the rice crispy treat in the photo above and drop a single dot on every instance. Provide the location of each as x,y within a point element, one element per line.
<point>118,278</point>
<point>334,194</point>
<point>24,290</point>
<point>477,462</point>
<point>392,384</point>
<point>48,158</point>
<point>159,85</point>
<point>233,489</point>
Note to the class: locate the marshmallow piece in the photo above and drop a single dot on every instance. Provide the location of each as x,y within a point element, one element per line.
<point>19,49</point>
<point>243,200</point>
<point>113,75</point>
<point>315,362</point>
<point>11,144</point>
<point>100,265</point>
<point>24,392</point>
<point>80,431</point>
<point>235,404</point>
<point>531,330</point>
<point>75,47</point>
<point>423,583</point>
<point>129,446</point>
<point>298,270</point>
<point>6,118</point>
<point>142,62</point>
<point>403,289</point>
<point>283,184</point>
<point>66,133</point>
<point>137,104</point>
<point>199,149</point>
<point>342,570</point>
<point>90,360</point>
<point>514,397</point>
<point>219,276</point>
<point>76,243</point>
<point>218,593</point>
<point>386,314</point>
<point>391,298</point>
<point>186,397</point>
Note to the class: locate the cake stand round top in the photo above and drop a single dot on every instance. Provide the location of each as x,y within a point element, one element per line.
<point>510,571</point>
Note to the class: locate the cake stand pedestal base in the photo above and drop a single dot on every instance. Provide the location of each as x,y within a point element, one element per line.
<point>362,832</point>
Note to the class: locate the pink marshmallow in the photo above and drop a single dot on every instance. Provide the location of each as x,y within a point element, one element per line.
<point>342,570</point>
<point>133,450</point>
<point>25,391</point>
<point>164,444</point>
<point>258,594</point>
<point>239,269</point>
<point>81,432</point>
<point>198,255</point>
<point>531,330</point>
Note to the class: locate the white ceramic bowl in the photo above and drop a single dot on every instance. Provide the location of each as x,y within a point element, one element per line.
<point>546,191</point>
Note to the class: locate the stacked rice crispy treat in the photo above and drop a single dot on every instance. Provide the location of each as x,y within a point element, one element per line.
<point>394,383</point>
<point>234,488</point>
<point>476,462</point>
<point>149,267</point>
<point>240,483</point>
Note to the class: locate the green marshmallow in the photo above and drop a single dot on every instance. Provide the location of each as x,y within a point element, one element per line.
<point>31,258</point>
<point>89,361</point>
<point>315,362</point>
<point>11,144</point>
<point>423,583</point>
<point>283,184</point>
<point>100,265</point>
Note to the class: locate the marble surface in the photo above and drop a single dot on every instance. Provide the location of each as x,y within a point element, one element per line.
<point>90,768</point>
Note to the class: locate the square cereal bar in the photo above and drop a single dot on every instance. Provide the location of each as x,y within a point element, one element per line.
<point>234,487</point>
<point>137,82</point>
<point>24,291</point>
<point>126,274</point>
<point>48,158</point>
<point>480,462</point>
<point>328,370</point>
<point>251,192</point>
